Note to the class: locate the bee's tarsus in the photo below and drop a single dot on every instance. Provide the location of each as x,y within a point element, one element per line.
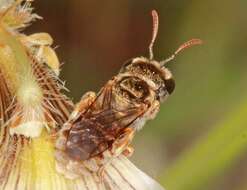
<point>154,32</point>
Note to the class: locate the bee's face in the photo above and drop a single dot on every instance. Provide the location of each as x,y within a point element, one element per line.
<point>149,75</point>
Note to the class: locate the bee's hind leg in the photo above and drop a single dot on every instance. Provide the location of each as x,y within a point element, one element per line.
<point>122,144</point>
<point>86,100</point>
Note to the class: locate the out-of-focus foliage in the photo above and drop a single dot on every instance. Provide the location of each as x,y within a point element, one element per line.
<point>198,138</point>
<point>212,155</point>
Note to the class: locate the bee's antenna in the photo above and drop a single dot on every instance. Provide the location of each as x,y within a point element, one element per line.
<point>185,45</point>
<point>154,32</point>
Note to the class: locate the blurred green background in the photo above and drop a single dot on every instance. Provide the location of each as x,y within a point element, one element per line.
<point>199,138</point>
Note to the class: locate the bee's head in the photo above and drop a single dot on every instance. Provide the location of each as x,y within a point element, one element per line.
<point>153,73</point>
<point>156,78</point>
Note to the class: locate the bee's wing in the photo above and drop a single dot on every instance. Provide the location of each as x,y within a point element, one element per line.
<point>104,98</point>
<point>121,174</point>
<point>91,136</point>
<point>121,118</point>
<point>109,109</point>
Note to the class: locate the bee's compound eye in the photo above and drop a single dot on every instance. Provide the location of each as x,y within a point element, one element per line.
<point>170,85</point>
<point>125,65</point>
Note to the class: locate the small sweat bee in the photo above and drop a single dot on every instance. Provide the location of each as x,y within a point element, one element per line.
<point>102,125</point>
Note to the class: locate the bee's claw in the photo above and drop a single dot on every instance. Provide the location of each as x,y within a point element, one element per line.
<point>128,152</point>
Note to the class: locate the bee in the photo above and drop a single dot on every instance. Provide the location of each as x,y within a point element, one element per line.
<point>103,125</point>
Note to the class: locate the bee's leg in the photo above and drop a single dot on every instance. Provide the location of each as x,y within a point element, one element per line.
<point>128,152</point>
<point>87,99</point>
<point>153,110</point>
<point>121,144</point>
